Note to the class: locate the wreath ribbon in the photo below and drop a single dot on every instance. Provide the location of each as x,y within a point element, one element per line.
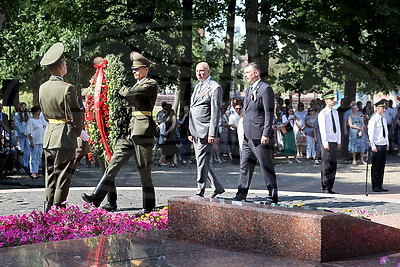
<point>99,80</point>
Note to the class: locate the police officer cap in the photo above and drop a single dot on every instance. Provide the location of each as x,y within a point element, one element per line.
<point>138,60</point>
<point>328,95</point>
<point>381,103</point>
<point>52,55</point>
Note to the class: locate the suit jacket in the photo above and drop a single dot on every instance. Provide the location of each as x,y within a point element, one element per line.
<point>142,97</point>
<point>259,114</point>
<point>205,107</point>
<point>58,100</point>
<point>4,119</point>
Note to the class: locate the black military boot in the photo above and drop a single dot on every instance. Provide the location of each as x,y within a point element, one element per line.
<point>149,201</point>
<point>111,199</point>
<point>99,192</point>
<point>47,206</point>
<point>59,205</point>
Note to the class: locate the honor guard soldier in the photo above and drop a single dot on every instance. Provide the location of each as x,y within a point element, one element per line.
<point>139,139</point>
<point>379,141</point>
<point>329,127</point>
<point>60,107</point>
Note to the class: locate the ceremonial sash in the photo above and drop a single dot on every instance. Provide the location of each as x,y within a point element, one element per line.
<point>99,79</point>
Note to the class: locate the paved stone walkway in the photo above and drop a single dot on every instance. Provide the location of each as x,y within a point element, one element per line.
<point>298,184</point>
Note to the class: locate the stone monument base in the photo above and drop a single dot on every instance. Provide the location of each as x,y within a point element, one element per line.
<point>311,235</point>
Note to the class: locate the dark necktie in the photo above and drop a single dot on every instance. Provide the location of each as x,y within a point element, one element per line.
<point>333,122</point>
<point>383,128</point>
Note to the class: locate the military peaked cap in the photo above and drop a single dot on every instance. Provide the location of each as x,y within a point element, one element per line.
<point>138,60</point>
<point>328,95</point>
<point>381,103</point>
<point>52,55</point>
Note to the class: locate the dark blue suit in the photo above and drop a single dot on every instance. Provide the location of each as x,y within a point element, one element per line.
<point>257,122</point>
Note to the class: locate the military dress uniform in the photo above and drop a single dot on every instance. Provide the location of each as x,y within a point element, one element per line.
<point>329,127</point>
<point>60,107</point>
<point>138,141</point>
<point>379,141</point>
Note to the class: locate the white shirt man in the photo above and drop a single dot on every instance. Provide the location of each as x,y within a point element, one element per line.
<point>379,141</point>
<point>329,126</point>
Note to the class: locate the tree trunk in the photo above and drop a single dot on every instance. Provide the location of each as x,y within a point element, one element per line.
<point>350,90</point>
<point>186,60</point>
<point>226,76</point>
<point>352,33</point>
<point>34,86</point>
<point>252,31</point>
<point>264,38</point>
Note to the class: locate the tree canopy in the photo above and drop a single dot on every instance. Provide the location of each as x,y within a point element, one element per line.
<point>352,45</point>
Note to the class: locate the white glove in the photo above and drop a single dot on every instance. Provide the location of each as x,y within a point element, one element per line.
<point>84,136</point>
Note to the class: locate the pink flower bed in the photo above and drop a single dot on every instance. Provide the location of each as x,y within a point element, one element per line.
<point>73,222</point>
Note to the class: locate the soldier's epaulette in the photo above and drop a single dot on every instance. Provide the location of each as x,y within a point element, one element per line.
<point>67,83</point>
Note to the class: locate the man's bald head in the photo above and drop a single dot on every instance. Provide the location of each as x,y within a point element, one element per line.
<point>202,71</point>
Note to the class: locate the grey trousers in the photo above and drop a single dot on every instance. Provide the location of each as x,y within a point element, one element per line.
<point>205,169</point>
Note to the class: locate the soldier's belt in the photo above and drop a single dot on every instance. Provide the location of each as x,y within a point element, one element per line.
<point>59,121</point>
<point>144,113</point>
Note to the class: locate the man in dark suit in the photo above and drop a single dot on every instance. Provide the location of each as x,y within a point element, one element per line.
<point>3,116</point>
<point>258,135</point>
<point>4,120</point>
<point>137,142</point>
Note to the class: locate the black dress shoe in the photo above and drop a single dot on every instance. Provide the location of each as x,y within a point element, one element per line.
<point>376,190</point>
<point>330,191</point>
<point>142,212</point>
<point>273,199</point>
<point>384,189</point>
<point>213,195</point>
<point>239,198</point>
<point>110,207</point>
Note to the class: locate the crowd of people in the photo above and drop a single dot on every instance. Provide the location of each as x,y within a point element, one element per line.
<point>22,137</point>
<point>296,132</point>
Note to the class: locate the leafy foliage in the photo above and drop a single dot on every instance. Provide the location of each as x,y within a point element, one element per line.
<point>345,39</point>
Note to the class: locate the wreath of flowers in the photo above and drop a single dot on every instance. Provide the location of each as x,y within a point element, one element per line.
<point>114,108</point>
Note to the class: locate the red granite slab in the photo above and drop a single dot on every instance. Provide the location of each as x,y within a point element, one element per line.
<point>317,236</point>
<point>392,220</point>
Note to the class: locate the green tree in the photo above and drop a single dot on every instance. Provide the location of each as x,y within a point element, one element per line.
<point>350,43</point>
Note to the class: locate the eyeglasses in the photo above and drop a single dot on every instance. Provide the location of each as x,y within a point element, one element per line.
<point>238,108</point>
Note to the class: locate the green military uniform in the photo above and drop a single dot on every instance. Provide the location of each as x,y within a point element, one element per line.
<point>58,102</point>
<point>138,141</point>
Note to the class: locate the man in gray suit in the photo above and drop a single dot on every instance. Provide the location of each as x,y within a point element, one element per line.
<point>204,115</point>
<point>258,135</point>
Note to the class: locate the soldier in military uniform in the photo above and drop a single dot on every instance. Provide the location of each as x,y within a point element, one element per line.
<point>59,104</point>
<point>138,141</point>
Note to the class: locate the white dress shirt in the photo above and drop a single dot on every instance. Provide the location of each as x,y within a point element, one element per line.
<point>326,126</point>
<point>375,131</point>
<point>254,85</point>
<point>234,119</point>
<point>35,128</point>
